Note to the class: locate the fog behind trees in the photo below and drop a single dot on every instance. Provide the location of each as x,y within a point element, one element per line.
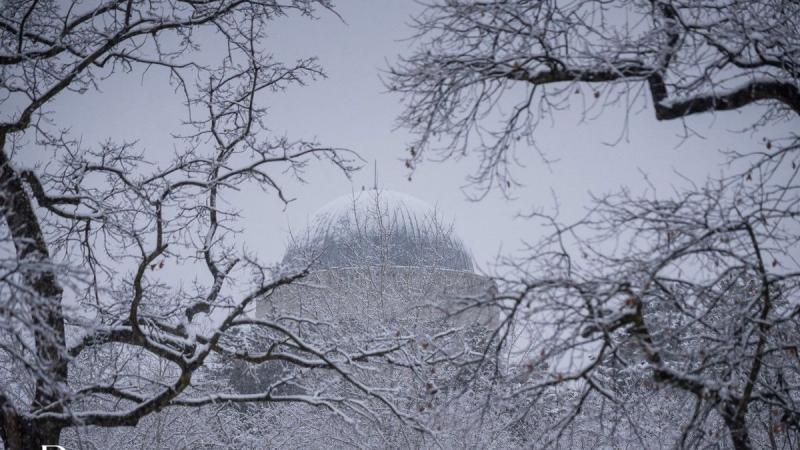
<point>625,173</point>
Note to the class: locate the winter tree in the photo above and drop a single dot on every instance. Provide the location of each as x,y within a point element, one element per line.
<point>100,325</point>
<point>381,271</point>
<point>690,299</point>
<point>386,267</point>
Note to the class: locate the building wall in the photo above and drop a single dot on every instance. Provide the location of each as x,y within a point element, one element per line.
<point>384,296</point>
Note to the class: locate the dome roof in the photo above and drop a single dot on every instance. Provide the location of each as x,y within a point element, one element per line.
<point>378,227</point>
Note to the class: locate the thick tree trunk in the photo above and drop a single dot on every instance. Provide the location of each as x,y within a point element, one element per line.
<point>737,426</point>
<point>46,312</point>
<point>740,437</point>
<point>19,434</point>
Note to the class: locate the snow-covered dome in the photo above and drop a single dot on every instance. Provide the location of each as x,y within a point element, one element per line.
<point>379,227</point>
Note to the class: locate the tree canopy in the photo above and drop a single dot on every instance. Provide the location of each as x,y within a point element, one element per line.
<point>688,299</point>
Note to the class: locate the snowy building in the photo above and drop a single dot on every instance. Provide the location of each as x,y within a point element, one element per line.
<point>380,258</point>
<point>384,267</point>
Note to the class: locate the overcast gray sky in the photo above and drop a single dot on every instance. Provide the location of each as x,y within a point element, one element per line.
<point>351,109</point>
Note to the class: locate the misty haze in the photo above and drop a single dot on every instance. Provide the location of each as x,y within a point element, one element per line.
<point>445,224</point>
